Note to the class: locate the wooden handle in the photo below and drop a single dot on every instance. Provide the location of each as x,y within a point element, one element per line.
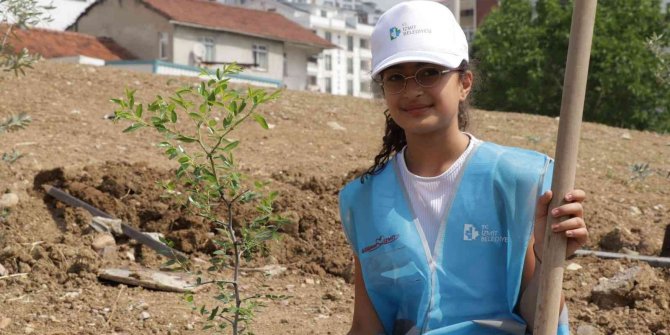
<point>572,106</point>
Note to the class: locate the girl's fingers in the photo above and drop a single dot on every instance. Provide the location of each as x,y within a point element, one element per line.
<point>569,224</point>
<point>571,209</point>
<point>575,195</point>
<point>576,239</point>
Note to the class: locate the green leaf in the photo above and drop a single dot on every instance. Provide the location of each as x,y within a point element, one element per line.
<point>117,101</point>
<point>133,127</point>
<point>173,116</point>
<point>261,120</point>
<point>232,145</point>
<point>212,315</point>
<point>195,117</point>
<point>138,111</point>
<point>186,139</point>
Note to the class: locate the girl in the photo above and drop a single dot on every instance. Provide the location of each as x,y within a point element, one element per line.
<point>442,224</point>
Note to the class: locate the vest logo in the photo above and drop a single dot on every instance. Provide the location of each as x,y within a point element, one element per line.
<point>381,240</point>
<point>395,33</point>
<point>470,233</point>
<point>484,234</point>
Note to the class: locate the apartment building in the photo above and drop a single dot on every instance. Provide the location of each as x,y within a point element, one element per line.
<point>344,70</point>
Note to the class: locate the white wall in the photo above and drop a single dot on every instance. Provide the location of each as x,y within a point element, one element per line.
<point>131,24</point>
<point>296,67</point>
<point>229,47</point>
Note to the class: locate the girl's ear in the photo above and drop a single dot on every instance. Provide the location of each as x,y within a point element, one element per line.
<point>465,85</point>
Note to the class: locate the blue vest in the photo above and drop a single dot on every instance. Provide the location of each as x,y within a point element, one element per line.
<point>470,282</point>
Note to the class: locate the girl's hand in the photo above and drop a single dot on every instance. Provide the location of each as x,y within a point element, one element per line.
<point>573,226</point>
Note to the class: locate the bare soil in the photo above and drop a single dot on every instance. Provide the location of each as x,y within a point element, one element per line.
<point>71,145</point>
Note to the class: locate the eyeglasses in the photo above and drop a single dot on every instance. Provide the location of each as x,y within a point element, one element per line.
<point>394,82</point>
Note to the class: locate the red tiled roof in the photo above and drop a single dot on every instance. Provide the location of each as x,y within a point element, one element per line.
<point>52,43</point>
<point>245,21</point>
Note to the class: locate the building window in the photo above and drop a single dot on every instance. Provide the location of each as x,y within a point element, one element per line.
<point>468,12</point>
<point>350,43</point>
<point>324,13</point>
<point>260,53</point>
<point>350,87</point>
<point>329,63</point>
<point>363,43</point>
<point>365,65</point>
<point>209,55</point>
<point>364,87</point>
<point>329,36</point>
<point>329,85</point>
<point>350,65</point>
<point>312,80</point>
<point>162,45</point>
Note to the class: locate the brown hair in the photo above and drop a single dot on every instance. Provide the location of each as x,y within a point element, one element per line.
<point>394,136</point>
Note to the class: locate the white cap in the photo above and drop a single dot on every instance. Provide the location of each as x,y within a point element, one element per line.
<point>417,31</point>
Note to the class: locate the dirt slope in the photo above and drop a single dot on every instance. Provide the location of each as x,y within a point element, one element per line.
<point>71,145</point>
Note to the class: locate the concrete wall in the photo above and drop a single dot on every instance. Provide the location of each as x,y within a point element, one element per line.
<point>229,47</point>
<point>296,66</point>
<point>130,23</point>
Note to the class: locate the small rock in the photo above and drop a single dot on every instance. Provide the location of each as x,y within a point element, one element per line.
<point>143,306</point>
<point>145,315</point>
<point>332,296</point>
<point>3,271</point>
<point>9,200</point>
<point>189,326</point>
<point>635,211</point>
<point>5,322</point>
<point>284,321</point>
<point>588,330</point>
<point>29,330</point>
<point>573,267</point>
<point>615,292</point>
<point>626,136</point>
<point>102,241</point>
<point>309,281</point>
<point>130,255</point>
<point>335,126</point>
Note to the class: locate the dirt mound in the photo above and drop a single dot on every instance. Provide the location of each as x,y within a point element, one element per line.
<point>311,241</point>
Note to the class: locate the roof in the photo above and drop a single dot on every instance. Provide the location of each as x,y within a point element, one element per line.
<point>213,15</point>
<point>52,44</point>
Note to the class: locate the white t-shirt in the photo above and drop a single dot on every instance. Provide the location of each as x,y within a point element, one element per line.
<point>429,196</point>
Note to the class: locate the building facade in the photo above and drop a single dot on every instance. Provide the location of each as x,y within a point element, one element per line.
<point>195,33</point>
<point>344,70</point>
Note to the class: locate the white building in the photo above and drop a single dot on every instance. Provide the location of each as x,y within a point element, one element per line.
<point>178,36</point>
<point>344,70</point>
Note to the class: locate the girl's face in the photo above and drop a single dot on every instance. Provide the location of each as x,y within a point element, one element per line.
<point>421,110</point>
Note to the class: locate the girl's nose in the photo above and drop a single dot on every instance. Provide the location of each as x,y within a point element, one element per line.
<point>412,88</point>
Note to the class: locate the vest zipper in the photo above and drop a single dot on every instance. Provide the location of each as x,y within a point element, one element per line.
<point>430,254</point>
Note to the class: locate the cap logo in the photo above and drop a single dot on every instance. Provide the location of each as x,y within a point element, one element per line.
<point>409,30</point>
<point>395,33</point>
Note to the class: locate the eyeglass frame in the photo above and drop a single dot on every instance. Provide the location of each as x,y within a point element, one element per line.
<point>380,80</point>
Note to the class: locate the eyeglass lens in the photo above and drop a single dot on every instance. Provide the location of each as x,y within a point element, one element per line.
<point>395,82</point>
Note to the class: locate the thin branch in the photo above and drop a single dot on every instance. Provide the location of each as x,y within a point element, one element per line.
<point>14,275</point>
<point>111,314</point>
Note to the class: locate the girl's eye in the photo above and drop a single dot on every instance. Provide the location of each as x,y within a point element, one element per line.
<point>429,72</point>
<point>394,77</point>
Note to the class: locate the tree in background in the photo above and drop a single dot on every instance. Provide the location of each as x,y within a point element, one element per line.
<point>19,14</point>
<point>522,52</point>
